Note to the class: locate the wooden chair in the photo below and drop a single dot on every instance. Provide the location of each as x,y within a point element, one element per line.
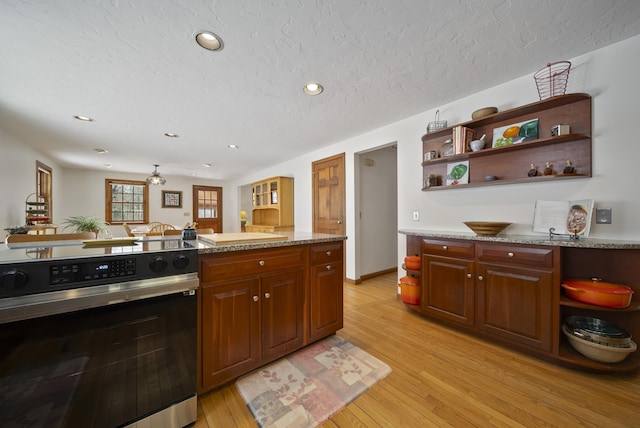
<point>205,231</point>
<point>50,237</point>
<point>159,229</point>
<point>172,232</point>
<point>127,229</point>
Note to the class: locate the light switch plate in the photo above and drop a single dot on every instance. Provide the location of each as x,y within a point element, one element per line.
<point>603,215</point>
<point>416,215</point>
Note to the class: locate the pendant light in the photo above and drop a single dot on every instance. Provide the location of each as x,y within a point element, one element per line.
<point>155,178</point>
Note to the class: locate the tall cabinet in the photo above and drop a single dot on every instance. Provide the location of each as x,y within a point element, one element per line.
<point>272,205</point>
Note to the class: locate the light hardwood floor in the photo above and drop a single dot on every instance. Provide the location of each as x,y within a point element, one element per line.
<point>443,378</point>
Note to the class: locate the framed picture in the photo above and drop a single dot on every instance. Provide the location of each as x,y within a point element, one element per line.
<point>171,199</point>
<point>457,173</point>
<point>515,133</point>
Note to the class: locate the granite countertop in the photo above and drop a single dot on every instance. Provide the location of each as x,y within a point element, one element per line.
<point>292,238</point>
<point>605,244</point>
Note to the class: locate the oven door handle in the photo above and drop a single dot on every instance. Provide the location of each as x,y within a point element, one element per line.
<point>58,302</point>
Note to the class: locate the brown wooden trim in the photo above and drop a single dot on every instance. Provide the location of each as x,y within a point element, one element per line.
<point>107,200</point>
<point>370,275</point>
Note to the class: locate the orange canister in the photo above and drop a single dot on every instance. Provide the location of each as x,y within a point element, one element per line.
<point>412,262</point>
<point>410,290</point>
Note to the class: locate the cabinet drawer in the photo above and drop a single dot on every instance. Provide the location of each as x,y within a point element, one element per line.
<point>326,253</point>
<point>240,264</point>
<point>447,247</point>
<point>530,256</point>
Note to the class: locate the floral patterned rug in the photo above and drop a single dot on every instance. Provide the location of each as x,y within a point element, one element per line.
<point>308,387</point>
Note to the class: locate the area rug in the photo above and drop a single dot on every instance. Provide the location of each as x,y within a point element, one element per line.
<point>308,387</point>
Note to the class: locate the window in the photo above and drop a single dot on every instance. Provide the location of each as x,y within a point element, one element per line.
<point>127,201</point>
<point>44,187</point>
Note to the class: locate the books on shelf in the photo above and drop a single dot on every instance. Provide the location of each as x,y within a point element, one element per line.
<point>462,136</point>
<point>565,217</point>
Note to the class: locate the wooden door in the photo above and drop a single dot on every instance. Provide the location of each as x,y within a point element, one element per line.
<point>516,304</point>
<point>329,195</point>
<point>231,331</point>
<point>207,207</point>
<point>448,289</point>
<point>283,300</point>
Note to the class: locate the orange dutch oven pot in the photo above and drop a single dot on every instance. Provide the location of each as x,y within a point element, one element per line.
<point>597,292</point>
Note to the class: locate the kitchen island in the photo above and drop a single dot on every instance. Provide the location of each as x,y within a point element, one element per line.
<point>264,297</point>
<point>507,288</point>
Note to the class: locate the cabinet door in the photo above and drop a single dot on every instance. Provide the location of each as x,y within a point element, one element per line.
<point>448,290</point>
<point>282,300</point>
<point>326,300</point>
<point>515,303</point>
<point>230,331</point>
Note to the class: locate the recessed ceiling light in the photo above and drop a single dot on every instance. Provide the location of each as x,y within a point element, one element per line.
<point>171,135</point>
<point>84,118</point>
<point>233,146</point>
<point>313,89</point>
<point>101,151</point>
<point>107,165</point>
<point>207,165</point>
<point>209,41</point>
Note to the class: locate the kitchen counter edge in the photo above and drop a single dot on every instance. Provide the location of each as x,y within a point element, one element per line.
<point>605,244</point>
<point>293,238</point>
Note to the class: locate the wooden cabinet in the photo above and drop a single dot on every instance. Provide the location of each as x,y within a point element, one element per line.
<point>510,164</point>
<point>252,306</point>
<point>326,279</point>
<point>258,305</point>
<point>511,292</point>
<point>272,205</point>
<point>501,290</point>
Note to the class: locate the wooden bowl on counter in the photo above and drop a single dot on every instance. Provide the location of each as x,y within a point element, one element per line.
<point>487,228</point>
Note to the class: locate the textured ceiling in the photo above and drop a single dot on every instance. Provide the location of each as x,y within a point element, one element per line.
<point>133,66</point>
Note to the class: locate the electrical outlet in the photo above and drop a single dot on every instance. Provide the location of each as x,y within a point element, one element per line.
<point>603,215</point>
<point>416,216</point>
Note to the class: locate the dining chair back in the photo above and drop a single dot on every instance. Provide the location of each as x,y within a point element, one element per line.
<point>205,231</point>
<point>172,232</point>
<point>159,229</point>
<point>127,229</point>
<point>50,237</point>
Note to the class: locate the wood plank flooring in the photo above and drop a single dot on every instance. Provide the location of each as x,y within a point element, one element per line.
<point>444,378</point>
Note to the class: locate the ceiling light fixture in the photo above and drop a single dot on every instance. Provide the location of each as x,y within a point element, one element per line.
<point>171,135</point>
<point>84,118</point>
<point>209,41</point>
<point>207,165</point>
<point>155,178</point>
<point>101,151</point>
<point>233,146</point>
<point>313,89</point>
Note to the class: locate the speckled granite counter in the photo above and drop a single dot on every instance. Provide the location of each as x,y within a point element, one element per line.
<point>604,244</point>
<point>293,238</point>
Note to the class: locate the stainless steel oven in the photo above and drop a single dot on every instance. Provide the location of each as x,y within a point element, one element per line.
<point>99,340</point>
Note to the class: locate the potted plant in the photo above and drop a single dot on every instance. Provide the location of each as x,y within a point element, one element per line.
<point>87,224</point>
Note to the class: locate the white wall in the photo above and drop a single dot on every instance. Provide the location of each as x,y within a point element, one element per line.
<point>609,75</point>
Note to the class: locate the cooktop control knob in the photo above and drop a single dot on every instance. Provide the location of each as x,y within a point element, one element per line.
<point>13,279</point>
<point>158,264</point>
<point>181,261</point>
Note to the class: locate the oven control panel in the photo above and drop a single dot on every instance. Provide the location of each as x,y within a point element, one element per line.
<point>68,273</point>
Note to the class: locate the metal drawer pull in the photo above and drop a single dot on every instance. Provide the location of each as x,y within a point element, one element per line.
<point>510,254</point>
<point>328,253</point>
<point>255,298</point>
<point>444,247</point>
<point>480,277</point>
<point>328,267</point>
<point>469,275</point>
<point>267,295</point>
<point>261,262</point>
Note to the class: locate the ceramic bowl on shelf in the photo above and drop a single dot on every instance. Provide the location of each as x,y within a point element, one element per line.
<point>487,228</point>
<point>482,112</point>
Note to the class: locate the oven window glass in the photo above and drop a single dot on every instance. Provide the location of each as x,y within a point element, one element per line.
<point>103,367</point>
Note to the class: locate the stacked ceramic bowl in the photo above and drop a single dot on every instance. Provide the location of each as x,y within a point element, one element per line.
<point>597,339</point>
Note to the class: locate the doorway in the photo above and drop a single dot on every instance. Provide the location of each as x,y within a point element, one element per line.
<point>376,212</point>
<point>207,207</point>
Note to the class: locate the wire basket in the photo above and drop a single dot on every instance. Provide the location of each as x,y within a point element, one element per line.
<point>552,79</point>
<point>436,124</point>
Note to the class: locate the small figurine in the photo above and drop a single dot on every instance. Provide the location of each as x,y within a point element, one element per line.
<point>569,169</point>
<point>533,171</point>
<point>548,170</point>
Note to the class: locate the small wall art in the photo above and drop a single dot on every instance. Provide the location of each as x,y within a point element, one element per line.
<point>515,133</point>
<point>457,173</point>
<point>171,199</point>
